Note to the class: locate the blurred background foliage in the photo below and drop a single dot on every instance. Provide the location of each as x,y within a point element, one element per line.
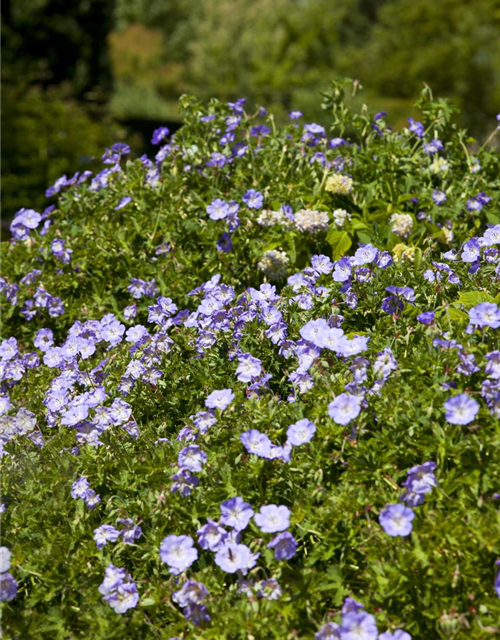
<point>78,76</point>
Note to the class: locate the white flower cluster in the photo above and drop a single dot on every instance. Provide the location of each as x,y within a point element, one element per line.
<point>402,224</point>
<point>273,264</point>
<point>269,218</point>
<point>340,216</point>
<point>337,183</point>
<point>311,221</point>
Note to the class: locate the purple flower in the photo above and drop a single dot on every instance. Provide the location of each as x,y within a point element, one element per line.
<point>236,513</point>
<point>342,271</point>
<point>219,399</point>
<point>416,127</point>
<point>406,293</point>
<point>159,134</point>
<point>8,587</point>
<point>295,115</point>
<point>211,535</point>
<point>385,363</point>
<point>123,203</point>
<point>399,634</point>
<point>300,432</point>
<point>257,443</point>
<point>253,199</point>
<point>366,254</point>
<point>426,317</point>
<point>421,478</point>
<point>8,349</point>
<point>492,368</point>
<point>224,243</point>
<point>259,131</point>
<point>492,235</point>
<point>130,531</point>
<point>5,556</point>
<point>218,209</point>
<point>192,458</point>
<point>190,598</point>
<point>81,489</point>
<point>248,367</point>
<point>104,534</point>
<point>284,545</point>
<point>344,408</point>
<point>316,331</point>
<point>235,557</point>
<point>329,631</point>
<point>461,409</point>
<point>272,518</point>
<point>192,592</point>
<point>178,552</point>
<point>471,250</point>
<point>396,519</point>
<point>485,314</point>
<point>474,204</point>
<point>439,197</point>
<point>184,481</point>
<point>433,146</point>
<point>118,589</point>
<point>496,584</point>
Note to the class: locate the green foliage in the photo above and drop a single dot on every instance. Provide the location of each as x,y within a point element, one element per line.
<point>44,136</point>
<point>436,582</point>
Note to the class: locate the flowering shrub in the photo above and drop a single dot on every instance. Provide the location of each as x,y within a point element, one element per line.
<point>232,407</point>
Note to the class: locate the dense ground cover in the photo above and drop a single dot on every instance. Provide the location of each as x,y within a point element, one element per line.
<point>251,387</point>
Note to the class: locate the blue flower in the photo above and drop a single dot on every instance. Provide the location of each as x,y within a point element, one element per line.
<point>256,442</point>
<point>284,545</point>
<point>358,625</point>
<point>300,432</point>
<point>253,199</point>
<point>485,314</point>
<point>236,513</point>
<point>461,409</point>
<point>272,518</point>
<point>396,519</point>
<point>178,552</point>
<point>218,209</point>
<point>159,134</point>
<point>344,408</point>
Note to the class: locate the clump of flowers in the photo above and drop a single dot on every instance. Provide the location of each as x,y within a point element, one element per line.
<point>339,184</point>
<point>274,264</point>
<point>8,584</point>
<point>190,598</point>
<point>403,253</point>
<point>269,218</point>
<point>118,589</point>
<point>311,221</point>
<point>357,624</point>
<point>340,216</point>
<point>402,224</point>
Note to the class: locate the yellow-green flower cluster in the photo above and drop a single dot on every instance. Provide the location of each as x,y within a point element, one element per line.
<point>339,184</point>
<point>403,253</point>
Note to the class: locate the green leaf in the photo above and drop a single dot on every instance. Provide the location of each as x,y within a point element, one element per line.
<point>456,314</point>
<point>472,298</point>
<point>148,602</point>
<point>359,224</point>
<point>492,218</point>
<point>340,242</point>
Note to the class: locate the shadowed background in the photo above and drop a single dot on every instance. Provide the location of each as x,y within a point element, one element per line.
<point>78,76</point>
